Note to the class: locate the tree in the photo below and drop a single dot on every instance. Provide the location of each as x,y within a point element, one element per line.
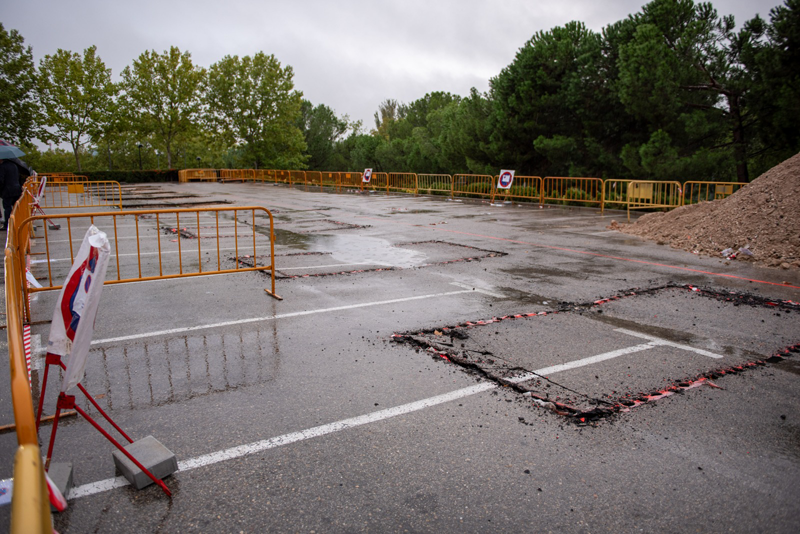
<point>252,101</point>
<point>684,73</point>
<point>544,101</point>
<point>322,130</point>
<point>389,112</point>
<point>163,95</point>
<point>776,93</point>
<point>18,105</point>
<point>75,94</point>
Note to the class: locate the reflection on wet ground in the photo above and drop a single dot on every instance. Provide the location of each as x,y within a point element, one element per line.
<point>173,370</point>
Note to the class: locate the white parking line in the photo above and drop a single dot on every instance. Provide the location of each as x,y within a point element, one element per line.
<point>330,428</point>
<point>664,342</point>
<point>274,317</point>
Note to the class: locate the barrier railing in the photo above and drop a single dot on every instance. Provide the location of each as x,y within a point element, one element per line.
<point>297,177</point>
<point>378,182</point>
<point>151,256</point>
<point>572,191</point>
<point>282,177</point>
<point>331,179</point>
<point>402,182</point>
<point>80,194</point>
<point>473,185</point>
<point>187,175</point>
<point>264,175</point>
<point>237,175</point>
<point>349,179</point>
<point>30,505</point>
<point>694,192</point>
<point>435,184</point>
<point>313,178</point>
<point>642,194</point>
<point>523,189</point>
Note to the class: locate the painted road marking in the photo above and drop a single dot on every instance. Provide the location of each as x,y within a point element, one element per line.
<point>293,437</point>
<point>664,342</point>
<point>277,316</point>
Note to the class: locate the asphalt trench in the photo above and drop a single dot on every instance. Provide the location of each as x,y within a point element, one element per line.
<point>434,366</point>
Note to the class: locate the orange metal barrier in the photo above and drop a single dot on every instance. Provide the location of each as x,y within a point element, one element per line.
<point>378,181</point>
<point>473,185</point>
<point>572,191</point>
<point>297,177</point>
<point>264,175</point>
<point>331,179</point>
<point>313,178</point>
<point>30,505</point>
<point>180,254</point>
<point>642,194</point>
<point>282,177</point>
<point>402,182</point>
<point>80,194</point>
<point>350,179</point>
<point>694,192</point>
<point>187,175</point>
<point>435,184</point>
<point>523,189</point>
<point>237,175</point>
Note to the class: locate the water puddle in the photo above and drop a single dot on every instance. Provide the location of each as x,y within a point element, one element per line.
<point>363,249</point>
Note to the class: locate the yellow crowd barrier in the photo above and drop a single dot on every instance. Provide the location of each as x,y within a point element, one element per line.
<point>30,505</point>
<point>572,190</point>
<point>435,184</point>
<point>187,175</point>
<point>297,177</point>
<point>282,177</point>
<point>473,185</point>
<point>694,192</point>
<point>402,182</point>
<point>350,179</point>
<point>152,255</point>
<point>642,194</point>
<point>80,194</point>
<point>313,178</point>
<point>378,181</point>
<point>237,175</point>
<point>523,189</point>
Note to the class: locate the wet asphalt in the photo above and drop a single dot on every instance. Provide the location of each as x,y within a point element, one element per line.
<point>416,375</point>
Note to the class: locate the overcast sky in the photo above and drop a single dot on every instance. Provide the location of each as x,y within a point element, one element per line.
<point>348,54</point>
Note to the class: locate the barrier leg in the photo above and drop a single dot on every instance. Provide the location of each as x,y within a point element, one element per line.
<point>66,402</point>
<point>44,389</point>
<point>57,361</point>
<point>114,442</point>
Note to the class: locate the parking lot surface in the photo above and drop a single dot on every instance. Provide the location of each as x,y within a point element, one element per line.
<point>434,366</point>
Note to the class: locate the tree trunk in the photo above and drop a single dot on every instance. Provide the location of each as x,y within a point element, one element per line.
<point>739,146</point>
<point>77,157</point>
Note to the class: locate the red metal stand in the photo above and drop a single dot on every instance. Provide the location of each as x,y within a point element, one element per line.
<point>67,402</point>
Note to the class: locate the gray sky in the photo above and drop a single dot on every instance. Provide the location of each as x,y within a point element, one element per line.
<point>348,54</point>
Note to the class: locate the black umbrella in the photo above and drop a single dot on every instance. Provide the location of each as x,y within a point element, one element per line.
<point>9,151</point>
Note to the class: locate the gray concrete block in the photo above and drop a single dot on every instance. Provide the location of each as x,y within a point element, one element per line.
<point>152,455</point>
<point>61,475</point>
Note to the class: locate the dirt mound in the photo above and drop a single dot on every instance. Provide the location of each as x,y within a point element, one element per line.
<point>763,217</point>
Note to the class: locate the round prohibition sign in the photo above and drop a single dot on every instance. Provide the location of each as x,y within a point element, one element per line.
<point>505,179</point>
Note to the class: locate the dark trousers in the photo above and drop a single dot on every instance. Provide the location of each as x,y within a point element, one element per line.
<point>8,205</point>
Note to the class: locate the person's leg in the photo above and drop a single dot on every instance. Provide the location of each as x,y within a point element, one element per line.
<point>8,205</point>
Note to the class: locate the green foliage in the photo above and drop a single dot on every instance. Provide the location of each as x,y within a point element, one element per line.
<point>323,131</point>
<point>76,94</point>
<point>18,104</point>
<point>133,176</point>
<point>163,96</point>
<point>253,105</point>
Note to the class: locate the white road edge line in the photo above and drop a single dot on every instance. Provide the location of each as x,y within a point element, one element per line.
<point>659,341</point>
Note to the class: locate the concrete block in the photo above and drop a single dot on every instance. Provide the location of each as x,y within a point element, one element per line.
<point>151,454</point>
<point>61,475</point>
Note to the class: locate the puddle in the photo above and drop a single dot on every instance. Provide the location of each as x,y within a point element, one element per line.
<point>362,249</point>
<point>350,248</point>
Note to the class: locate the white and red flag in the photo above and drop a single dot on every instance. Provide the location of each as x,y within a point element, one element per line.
<point>73,319</point>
